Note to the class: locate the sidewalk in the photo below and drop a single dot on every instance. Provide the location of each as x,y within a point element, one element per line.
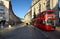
<point>58,28</point>
<point>10,28</point>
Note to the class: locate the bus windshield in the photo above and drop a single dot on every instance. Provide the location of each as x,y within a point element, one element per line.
<point>51,22</point>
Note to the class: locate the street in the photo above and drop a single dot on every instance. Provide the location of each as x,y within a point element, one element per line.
<point>19,19</point>
<point>29,32</point>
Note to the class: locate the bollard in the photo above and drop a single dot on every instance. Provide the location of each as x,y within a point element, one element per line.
<point>9,26</point>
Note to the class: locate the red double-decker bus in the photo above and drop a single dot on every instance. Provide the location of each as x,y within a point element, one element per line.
<point>45,20</point>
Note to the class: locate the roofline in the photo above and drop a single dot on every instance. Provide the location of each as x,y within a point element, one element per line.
<point>10,7</point>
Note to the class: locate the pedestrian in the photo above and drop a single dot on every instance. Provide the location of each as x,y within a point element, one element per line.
<point>26,23</point>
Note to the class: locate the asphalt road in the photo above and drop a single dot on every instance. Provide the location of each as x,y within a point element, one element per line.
<point>29,33</point>
<point>52,34</point>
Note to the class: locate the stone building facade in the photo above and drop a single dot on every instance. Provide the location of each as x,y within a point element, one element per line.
<point>28,16</point>
<point>41,5</point>
<point>6,12</point>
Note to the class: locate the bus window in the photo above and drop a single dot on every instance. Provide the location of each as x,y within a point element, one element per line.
<point>42,22</point>
<point>51,22</point>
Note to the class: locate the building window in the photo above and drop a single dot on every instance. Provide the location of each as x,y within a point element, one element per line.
<point>48,4</point>
<point>1,7</point>
<point>39,7</point>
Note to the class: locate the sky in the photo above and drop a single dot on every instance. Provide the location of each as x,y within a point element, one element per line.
<point>20,7</point>
<point>59,3</point>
